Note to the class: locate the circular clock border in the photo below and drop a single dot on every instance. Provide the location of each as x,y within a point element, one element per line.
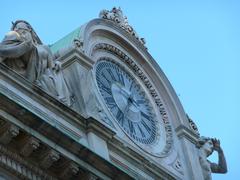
<point>140,73</point>
<point>142,126</point>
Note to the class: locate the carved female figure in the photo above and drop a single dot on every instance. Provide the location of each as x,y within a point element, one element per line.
<point>207,146</point>
<point>23,51</point>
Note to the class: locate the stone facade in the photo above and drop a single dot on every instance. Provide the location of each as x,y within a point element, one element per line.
<point>67,131</point>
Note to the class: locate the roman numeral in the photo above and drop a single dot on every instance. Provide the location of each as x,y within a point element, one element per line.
<point>121,79</point>
<point>111,74</point>
<point>105,88</point>
<point>140,101</point>
<point>146,116</point>
<point>110,102</point>
<point>131,86</point>
<point>131,127</point>
<point>141,131</point>
<point>103,75</point>
<point>137,87</point>
<point>120,117</point>
<point>146,126</point>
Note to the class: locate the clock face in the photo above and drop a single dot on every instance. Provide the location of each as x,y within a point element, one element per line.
<point>127,102</point>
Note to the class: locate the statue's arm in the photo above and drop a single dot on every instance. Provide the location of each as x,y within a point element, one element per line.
<point>50,61</point>
<point>13,49</point>
<point>221,167</point>
<point>49,57</point>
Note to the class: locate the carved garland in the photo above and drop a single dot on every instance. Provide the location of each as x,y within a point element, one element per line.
<point>140,73</point>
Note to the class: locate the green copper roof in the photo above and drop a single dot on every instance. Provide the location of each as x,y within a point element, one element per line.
<point>65,41</point>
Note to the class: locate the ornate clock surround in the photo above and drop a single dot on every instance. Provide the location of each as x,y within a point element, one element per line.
<point>135,68</point>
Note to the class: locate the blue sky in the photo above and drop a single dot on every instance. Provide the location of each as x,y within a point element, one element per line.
<point>196,43</point>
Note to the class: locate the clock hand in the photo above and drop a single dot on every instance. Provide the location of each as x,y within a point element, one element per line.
<point>124,93</point>
<point>133,101</point>
<point>131,86</point>
<point>126,109</point>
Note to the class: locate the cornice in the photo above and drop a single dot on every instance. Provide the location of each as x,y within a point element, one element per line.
<point>73,54</point>
<point>18,166</point>
<point>100,129</point>
<point>11,81</point>
<point>55,134</point>
<point>111,27</point>
<point>141,162</point>
<point>184,132</point>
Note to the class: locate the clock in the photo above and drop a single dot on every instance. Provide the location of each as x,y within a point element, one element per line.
<point>127,101</point>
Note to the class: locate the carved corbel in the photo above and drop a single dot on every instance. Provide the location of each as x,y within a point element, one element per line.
<point>7,132</point>
<point>69,170</point>
<point>49,158</point>
<point>29,145</point>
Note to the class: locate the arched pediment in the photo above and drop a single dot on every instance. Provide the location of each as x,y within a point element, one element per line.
<point>104,36</point>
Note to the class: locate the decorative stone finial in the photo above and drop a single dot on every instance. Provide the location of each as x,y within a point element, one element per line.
<point>116,15</point>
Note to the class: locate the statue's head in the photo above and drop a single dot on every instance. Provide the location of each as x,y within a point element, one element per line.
<point>25,29</point>
<point>206,144</point>
<point>57,66</point>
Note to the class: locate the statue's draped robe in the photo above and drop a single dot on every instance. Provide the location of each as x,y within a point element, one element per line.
<point>62,89</point>
<point>22,56</point>
<point>34,62</point>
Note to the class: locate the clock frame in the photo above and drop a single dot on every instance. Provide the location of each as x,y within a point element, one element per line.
<point>162,143</point>
<point>127,102</point>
